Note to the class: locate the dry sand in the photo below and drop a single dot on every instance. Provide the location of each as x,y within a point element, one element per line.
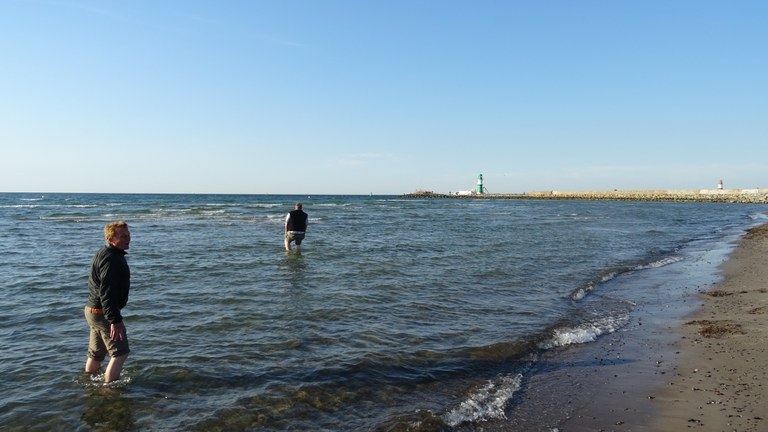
<point>720,378</point>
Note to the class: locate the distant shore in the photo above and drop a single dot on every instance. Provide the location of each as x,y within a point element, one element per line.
<point>749,196</point>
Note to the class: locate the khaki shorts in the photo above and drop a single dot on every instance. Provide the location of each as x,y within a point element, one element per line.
<point>100,344</point>
<point>291,236</point>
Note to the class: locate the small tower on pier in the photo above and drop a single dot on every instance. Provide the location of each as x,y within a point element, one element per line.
<point>479,184</point>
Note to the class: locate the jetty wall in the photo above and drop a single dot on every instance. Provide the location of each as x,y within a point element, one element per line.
<point>751,196</point>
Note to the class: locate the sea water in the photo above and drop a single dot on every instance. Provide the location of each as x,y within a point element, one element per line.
<point>397,314</point>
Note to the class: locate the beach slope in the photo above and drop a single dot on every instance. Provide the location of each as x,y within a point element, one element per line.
<point>720,378</point>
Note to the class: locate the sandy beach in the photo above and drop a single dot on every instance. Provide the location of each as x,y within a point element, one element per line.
<point>720,378</point>
<point>704,370</point>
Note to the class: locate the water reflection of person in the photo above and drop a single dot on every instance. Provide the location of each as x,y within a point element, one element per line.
<point>296,270</point>
<point>107,410</point>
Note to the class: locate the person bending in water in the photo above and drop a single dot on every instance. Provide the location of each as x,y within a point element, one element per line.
<point>108,286</point>
<point>295,227</point>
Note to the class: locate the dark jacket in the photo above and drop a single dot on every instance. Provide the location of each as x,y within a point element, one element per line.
<point>109,283</point>
<point>297,221</point>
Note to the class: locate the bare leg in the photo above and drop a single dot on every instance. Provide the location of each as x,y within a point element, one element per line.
<point>92,366</point>
<point>287,245</point>
<point>114,368</point>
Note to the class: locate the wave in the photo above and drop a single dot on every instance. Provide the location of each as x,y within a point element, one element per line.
<point>659,263</point>
<point>499,370</point>
<point>610,274</point>
<point>490,400</point>
<point>585,332</point>
<point>582,291</point>
<point>487,402</point>
<point>266,205</point>
<point>333,205</point>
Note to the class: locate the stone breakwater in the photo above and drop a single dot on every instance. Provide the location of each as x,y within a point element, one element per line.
<point>749,196</point>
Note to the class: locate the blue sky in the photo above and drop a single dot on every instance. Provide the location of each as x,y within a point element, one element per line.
<point>382,97</point>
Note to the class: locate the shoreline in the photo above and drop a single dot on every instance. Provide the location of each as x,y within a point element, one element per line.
<point>695,362</point>
<point>720,381</point>
<point>704,370</point>
<point>700,370</point>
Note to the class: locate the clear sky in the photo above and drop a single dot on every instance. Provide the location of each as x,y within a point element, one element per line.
<point>382,96</point>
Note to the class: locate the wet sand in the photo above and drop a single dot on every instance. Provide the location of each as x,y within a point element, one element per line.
<point>706,372</point>
<point>720,378</point>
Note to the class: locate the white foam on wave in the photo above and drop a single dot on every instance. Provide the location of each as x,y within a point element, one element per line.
<point>487,402</point>
<point>584,333</point>
<point>582,292</point>
<point>265,205</point>
<point>17,206</point>
<point>660,263</point>
<point>212,212</point>
<point>332,205</point>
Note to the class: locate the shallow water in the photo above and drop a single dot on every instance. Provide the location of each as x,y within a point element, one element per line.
<point>396,314</point>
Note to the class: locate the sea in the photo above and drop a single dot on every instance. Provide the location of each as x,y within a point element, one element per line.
<point>397,314</point>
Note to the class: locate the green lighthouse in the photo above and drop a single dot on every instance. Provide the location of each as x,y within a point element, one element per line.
<point>479,184</point>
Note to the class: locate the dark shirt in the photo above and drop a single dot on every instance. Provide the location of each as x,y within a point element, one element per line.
<point>109,283</point>
<point>297,221</point>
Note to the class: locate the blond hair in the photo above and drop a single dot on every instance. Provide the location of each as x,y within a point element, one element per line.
<point>110,228</point>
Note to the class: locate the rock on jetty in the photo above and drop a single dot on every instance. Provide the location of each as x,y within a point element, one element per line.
<point>750,196</point>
